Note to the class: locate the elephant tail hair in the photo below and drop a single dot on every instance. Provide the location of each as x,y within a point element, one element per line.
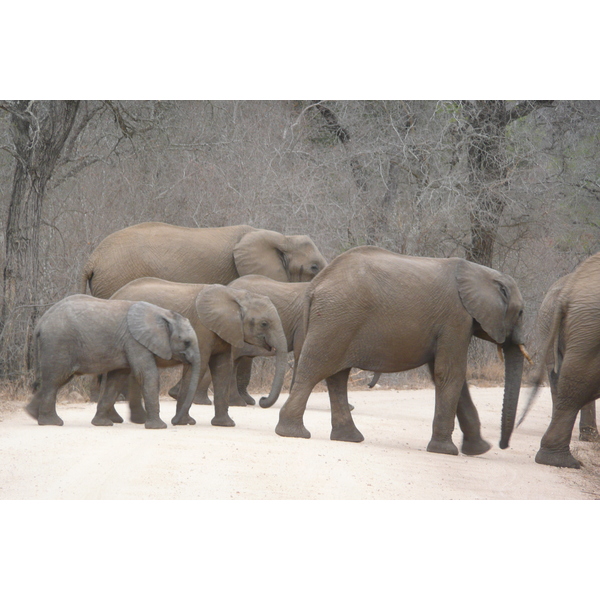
<point>551,341</point>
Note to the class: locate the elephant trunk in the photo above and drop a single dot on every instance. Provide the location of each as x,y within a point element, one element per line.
<point>513,371</point>
<point>187,392</point>
<point>279,342</point>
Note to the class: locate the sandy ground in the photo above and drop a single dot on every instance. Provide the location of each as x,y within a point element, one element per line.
<point>79,461</point>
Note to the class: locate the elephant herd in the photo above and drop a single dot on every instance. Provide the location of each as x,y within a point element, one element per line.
<point>214,298</point>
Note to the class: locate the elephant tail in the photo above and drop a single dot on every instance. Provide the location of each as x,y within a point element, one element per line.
<point>551,342</point>
<point>85,278</point>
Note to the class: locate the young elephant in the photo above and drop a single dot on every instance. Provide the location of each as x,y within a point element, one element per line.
<point>85,335</point>
<point>227,322</point>
<point>288,299</point>
<point>385,312</point>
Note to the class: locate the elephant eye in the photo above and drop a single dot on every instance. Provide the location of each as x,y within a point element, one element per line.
<point>315,268</point>
<point>187,343</point>
<point>264,324</point>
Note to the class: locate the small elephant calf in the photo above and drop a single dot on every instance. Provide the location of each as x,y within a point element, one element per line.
<point>85,335</point>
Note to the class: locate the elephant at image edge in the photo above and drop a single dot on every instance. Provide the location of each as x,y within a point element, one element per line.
<point>384,312</point>
<point>85,335</point>
<point>588,430</point>
<point>573,339</point>
<point>197,255</point>
<point>225,321</point>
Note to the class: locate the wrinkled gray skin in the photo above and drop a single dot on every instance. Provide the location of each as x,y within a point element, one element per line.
<point>228,323</point>
<point>383,312</point>
<point>84,335</point>
<point>197,255</point>
<point>573,341</point>
<point>588,429</point>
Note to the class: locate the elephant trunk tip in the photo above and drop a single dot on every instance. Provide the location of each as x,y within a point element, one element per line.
<point>264,402</point>
<point>503,444</point>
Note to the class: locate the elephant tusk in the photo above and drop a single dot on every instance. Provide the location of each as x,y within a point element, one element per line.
<point>500,353</point>
<point>525,354</point>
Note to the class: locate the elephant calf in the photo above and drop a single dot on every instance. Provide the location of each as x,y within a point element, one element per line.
<point>84,335</point>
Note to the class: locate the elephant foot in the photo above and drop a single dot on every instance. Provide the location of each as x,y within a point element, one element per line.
<point>202,399</point>
<point>292,429</point>
<point>588,434</point>
<point>223,421</point>
<point>185,420</point>
<point>114,416</point>
<point>138,416</point>
<point>442,447</point>
<point>475,447</point>
<point>51,419</point>
<point>102,421</point>
<point>155,424</point>
<point>349,433</point>
<point>562,458</point>
<point>250,401</point>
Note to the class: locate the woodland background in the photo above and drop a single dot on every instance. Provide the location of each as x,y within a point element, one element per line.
<point>514,185</point>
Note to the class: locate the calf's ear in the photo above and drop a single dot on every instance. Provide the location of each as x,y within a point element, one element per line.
<point>150,327</point>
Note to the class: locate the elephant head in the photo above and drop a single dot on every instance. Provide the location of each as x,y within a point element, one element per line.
<point>240,317</point>
<point>495,303</point>
<point>280,257</point>
<point>169,336</point>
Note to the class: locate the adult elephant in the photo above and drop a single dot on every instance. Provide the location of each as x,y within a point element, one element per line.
<point>227,322</point>
<point>573,340</point>
<point>197,255</point>
<point>83,335</point>
<point>384,312</point>
<point>588,429</point>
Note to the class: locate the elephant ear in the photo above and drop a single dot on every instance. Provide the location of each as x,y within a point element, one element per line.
<point>262,252</point>
<point>150,326</point>
<point>486,296</point>
<point>219,310</point>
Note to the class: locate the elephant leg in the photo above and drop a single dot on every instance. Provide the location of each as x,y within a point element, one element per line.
<point>186,419</point>
<point>588,429</point>
<point>145,371</point>
<point>449,375</point>
<point>221,371</point>
<point>342,425</point>
<point>573,393</point>
<point>468,420</point>
<point>201,396</point>
<point>137,412</point>
<point>112,385</point>
<point>43,404</point>
<point>239,392</point>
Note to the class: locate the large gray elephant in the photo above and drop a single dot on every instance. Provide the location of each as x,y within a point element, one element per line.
<point>588,429</point>
<point>384,312</point>
<point>197,255</point>
<point>85,335</point>
<point>573,340</point>
<point>228,323</point>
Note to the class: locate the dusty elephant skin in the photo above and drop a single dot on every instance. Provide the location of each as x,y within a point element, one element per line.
<point>588,428</point>
<point>228,323</point>
<point>573,355</point>
<point>83,335</point>
<point>380,311</point>
<point>197,255</point>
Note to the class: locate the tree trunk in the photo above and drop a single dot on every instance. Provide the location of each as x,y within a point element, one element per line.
<point>39,131</point>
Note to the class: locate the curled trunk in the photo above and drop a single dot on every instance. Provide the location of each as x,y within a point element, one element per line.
<point>279,342</point>
<point>513,371</point>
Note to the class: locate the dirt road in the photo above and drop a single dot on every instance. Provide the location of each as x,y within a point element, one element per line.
<point>249,461</point>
